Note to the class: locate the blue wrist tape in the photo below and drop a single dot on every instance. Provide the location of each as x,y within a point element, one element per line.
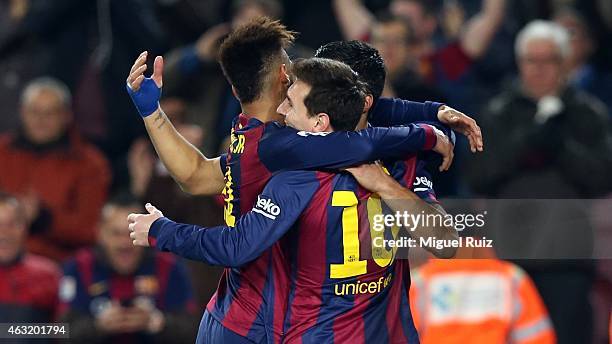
<point>146,99</point>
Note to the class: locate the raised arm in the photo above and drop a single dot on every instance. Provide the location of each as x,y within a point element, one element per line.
<point>274,213</point>
<point>481,28</point>
<point>195,173</point>
<point>354,19</point>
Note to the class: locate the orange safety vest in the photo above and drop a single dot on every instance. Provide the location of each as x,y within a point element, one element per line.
<point>477,301</point>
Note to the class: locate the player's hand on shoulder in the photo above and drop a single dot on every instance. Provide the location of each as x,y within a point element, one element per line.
<point>140,224</point>
<point>445,148</point>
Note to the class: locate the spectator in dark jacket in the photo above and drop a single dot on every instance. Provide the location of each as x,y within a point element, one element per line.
<point>549,141</point>
<point>543,127</point>
<point>118,292</point>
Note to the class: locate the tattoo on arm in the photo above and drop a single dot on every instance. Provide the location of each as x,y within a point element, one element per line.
<point>160,117</point>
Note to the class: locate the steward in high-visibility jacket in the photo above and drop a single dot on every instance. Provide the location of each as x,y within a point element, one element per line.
<point>477,301</point>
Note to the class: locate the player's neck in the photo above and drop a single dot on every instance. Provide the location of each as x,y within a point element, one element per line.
<point>263,110</point>
<point>363,122</point>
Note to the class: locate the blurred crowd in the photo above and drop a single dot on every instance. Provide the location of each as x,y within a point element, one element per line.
<point>75,158</point>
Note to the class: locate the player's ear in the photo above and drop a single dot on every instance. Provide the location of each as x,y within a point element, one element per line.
<point>322,124</point>
<point>285,79</point>
<point>369,101</point>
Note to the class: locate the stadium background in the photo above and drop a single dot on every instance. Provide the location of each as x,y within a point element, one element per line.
<point>90,46</point>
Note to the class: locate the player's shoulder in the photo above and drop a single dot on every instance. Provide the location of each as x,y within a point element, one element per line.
<point>274,125</point>
<point>273,138</point>
<point>245,125</point>
<point>276,130</point>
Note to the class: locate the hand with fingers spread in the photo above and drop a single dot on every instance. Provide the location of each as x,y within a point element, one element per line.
<point>463,124</point>
<point>145,92</point>
<point>445,148</point>
<point>140,224</point>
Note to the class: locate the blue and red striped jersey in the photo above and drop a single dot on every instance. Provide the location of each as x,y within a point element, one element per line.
<point>89,283</point>
<point>318,225</point>
<point>338,294</point>
<point>257,150</point>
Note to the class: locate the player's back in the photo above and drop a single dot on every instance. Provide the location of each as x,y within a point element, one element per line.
<point>252,297</point>
<point>337,294</point>
<point>239,301</point>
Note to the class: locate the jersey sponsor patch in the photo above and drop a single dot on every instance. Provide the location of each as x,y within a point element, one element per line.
<point>422,184</point>
<point>468,298</point>
<point>266,207</point>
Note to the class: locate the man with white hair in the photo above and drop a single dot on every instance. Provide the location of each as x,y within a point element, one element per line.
<point>61,180</point>
<point>540,121</point>
<point>550,141</point>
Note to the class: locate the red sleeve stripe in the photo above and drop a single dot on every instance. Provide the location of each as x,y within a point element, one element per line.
<point>430,137</point>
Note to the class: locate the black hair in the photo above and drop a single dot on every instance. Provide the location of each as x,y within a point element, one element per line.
<point>362,58</point>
